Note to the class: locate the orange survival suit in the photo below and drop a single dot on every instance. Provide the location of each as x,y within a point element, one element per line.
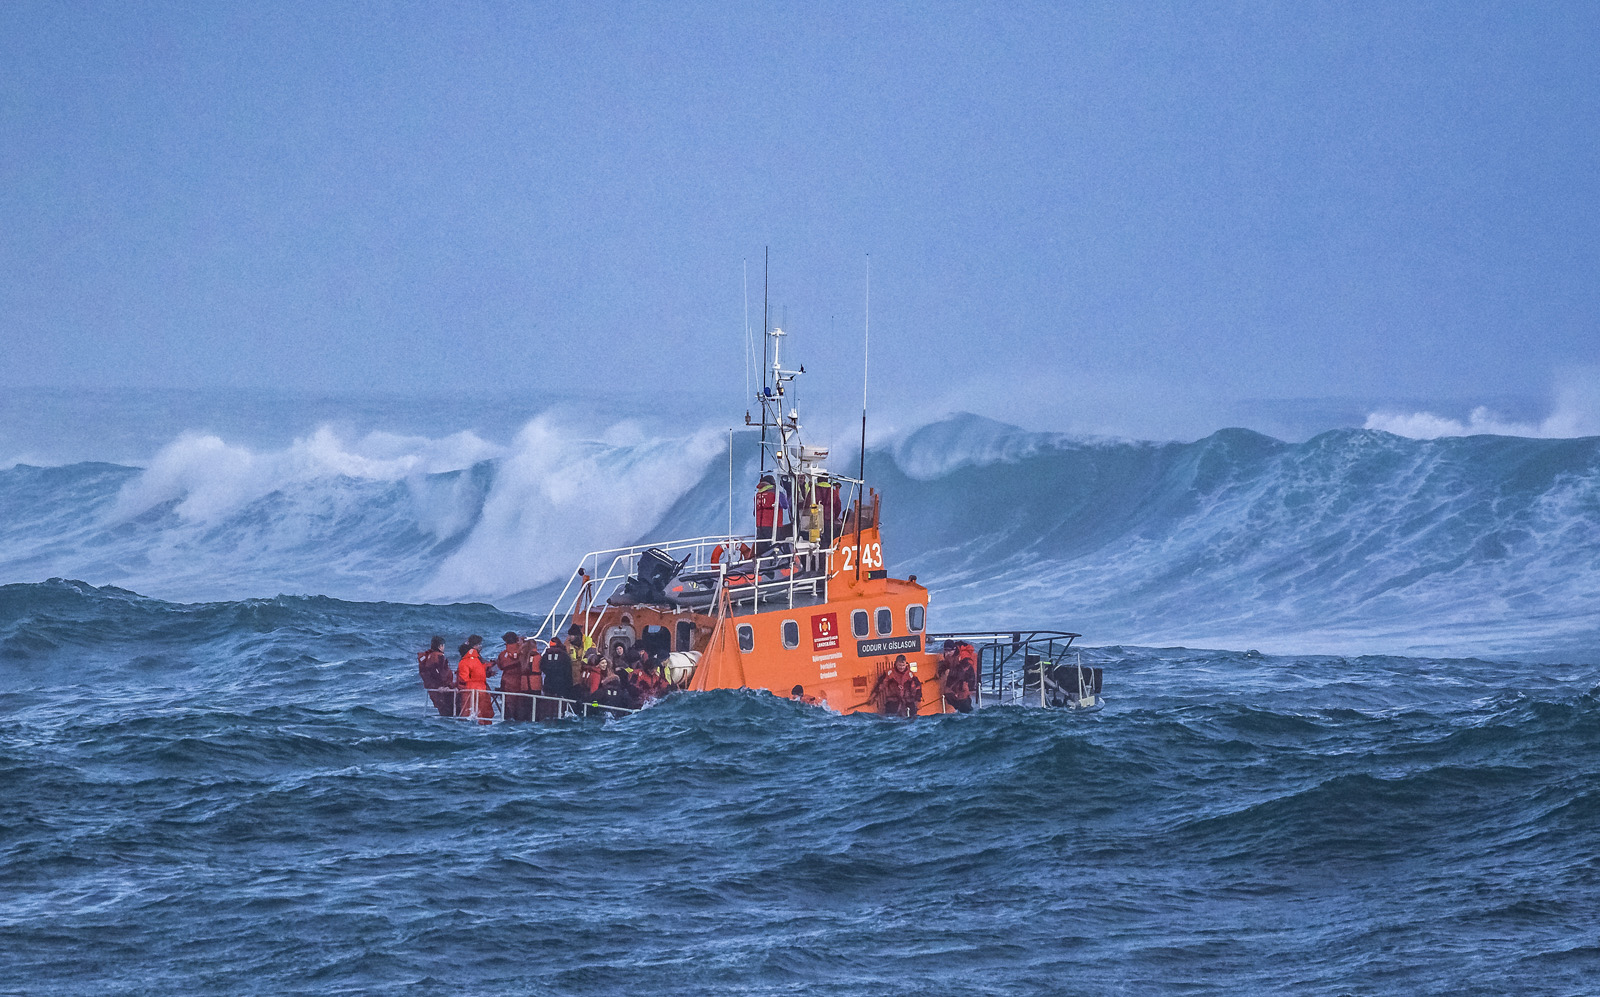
<point>474,678</point>
<point>515,677</point>
<point>769,517</point>
<point>902,692</point>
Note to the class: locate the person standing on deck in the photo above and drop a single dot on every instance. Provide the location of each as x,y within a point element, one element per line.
<point>958,675</point>
<point>556,666</point>
<point>578,642</point>
<point>473,676</point>
<point>648,684</point>
<point>898,690</point>
<point>828,502</point>
<point>437,678</point>
<point>619,656</point>
<point>593,670</point>
<point>769,517</point>
<point>514,678</point>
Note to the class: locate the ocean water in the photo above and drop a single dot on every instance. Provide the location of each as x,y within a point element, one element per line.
<point>216,787</point>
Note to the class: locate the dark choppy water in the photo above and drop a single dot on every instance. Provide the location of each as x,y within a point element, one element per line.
<point>249,798</point>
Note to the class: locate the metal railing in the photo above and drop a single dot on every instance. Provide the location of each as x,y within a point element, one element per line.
<point>1018,667</point>
<point>540,706</point>
<point>621,562</point>
<point>593,584</point>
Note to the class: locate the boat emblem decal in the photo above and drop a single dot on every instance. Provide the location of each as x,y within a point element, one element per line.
<point>825,631</point>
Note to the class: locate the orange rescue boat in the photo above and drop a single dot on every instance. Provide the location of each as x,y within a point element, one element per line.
<point>806,602</point>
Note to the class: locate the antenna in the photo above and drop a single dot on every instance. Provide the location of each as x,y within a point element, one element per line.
<point>730,482</point>
<point>749,348</point>
<point>766,269</point>
<point>866,348</point>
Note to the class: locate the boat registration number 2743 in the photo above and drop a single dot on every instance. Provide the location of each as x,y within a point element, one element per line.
<point>871,557</point>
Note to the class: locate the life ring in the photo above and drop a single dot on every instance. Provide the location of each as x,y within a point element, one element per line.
<point>745,552</point>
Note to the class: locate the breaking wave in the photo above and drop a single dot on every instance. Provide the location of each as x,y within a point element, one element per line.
<point>1353,540</point>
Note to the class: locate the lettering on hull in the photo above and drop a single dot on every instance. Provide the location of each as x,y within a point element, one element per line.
<point>888,645</point>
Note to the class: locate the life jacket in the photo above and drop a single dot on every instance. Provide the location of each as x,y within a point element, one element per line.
<point>649,685</point>
<point>766,507</point>
<point>556,669</point>
<point>472,671</point>
<point>528,651</point>
<point>961,680</point>
<point>965,653</point>
<point>611,693</point>
<point>903,690</point>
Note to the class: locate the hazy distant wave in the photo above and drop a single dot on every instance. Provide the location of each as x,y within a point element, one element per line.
<point>1356,539</point>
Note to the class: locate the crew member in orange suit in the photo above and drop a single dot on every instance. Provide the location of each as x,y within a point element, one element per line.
<point>898,690</point>
<point>514,677</point>
<point>473,676</point>
<point>769,514</point>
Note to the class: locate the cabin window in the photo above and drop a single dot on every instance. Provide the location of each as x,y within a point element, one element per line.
<point>747,637</point>
<point>885,621</point>
<point>858,622</point>
<point>656,639</point>
<point>686,635</point>
<point>914,618</point>
<point>791,634</point>
<point>623,633</point>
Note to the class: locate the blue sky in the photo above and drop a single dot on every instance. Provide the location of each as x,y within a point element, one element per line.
<point>1075,212</point>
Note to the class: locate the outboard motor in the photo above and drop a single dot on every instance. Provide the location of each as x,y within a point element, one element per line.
<point>649,584</point>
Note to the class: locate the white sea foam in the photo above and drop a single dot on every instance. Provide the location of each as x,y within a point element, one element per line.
<point>557,496</point>
<point>359,517</point>
<point>1575,413</point>
<point>210,479</point>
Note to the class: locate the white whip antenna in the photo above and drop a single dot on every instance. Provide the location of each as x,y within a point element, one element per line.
<point>866,350</point>
<point>749,346</point>
<point>866,346</point>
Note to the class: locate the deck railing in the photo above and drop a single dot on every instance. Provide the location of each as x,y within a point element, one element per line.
<point>540,706</point>
<point>592,583</point>
<point>1005,673</point>
<point>598,571</point>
